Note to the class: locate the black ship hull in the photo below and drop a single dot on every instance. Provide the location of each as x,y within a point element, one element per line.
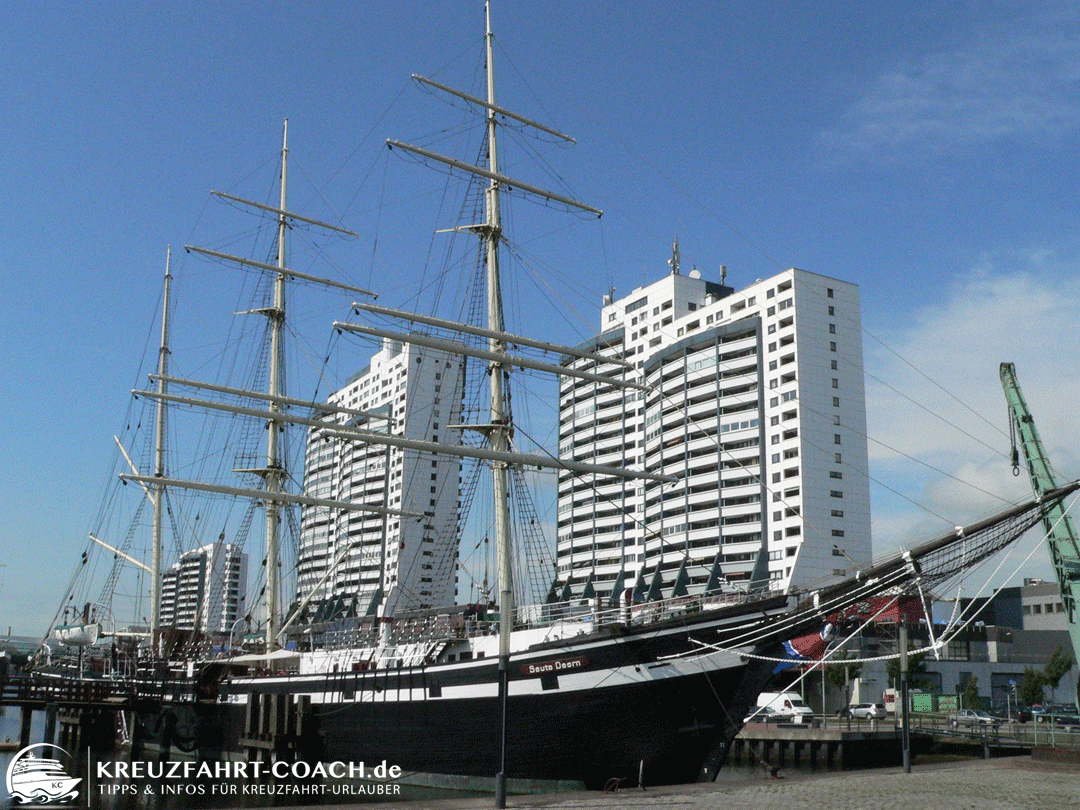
<point>609,705</point>
<point>665,728</point>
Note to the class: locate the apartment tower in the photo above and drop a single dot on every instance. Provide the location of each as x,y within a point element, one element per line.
<point>355,561</point>
<point>205,589</point>
<point>755,405</point>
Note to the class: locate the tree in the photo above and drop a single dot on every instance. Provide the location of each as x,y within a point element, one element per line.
<point>971,693</point>
<point>840,673</point>
<point>916,666</point>
<point>1031,687</point>
<point>1056,668</point>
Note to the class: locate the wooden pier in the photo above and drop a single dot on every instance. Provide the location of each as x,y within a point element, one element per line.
<point>78,713</point>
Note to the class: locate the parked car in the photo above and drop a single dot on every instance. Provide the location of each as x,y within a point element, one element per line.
<point>1008,710</point>
<point>1067,722</point>
<point>1047,713</point>
<point>1019,713</point>
<point>864,711</point>
<point>766,714</point>
<point>973,717</point>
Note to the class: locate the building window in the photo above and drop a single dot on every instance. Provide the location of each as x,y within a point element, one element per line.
<point>957,651</point>
<point>832,328</point>
<point>835,382</point>
<point>832,310</point>
<point>1037,609</point>
<point>837,512</point>
<point>834,365</point>
<point>829,291</point>
<point>836,494</point>
<point>1027,610</point>
<point>832,345</point>
<point>838,459</point>
<point>836,438</point>
<point>836,402</point>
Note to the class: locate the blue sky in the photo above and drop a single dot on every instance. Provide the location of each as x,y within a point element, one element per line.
<point>924,151</point>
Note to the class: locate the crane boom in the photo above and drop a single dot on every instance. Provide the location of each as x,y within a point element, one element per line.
<point>1061,535</point>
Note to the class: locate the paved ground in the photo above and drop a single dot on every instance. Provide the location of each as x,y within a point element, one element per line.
<point>1014,783</point>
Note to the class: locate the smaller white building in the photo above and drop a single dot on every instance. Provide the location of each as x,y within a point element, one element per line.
<point>1041,606</point>
<point>205,589</point>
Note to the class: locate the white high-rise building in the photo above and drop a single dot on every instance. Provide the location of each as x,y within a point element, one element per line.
<point>205,589</point>
<point>756,405</point>
<point>399,563</point>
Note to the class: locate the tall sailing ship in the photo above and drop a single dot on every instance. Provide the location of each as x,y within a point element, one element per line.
<point>591,689</point>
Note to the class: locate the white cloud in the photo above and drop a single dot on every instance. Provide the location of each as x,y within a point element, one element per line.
<point>1018,79</point>
<point>1027,314</point>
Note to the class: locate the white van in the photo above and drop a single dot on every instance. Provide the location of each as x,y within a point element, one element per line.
<point>787,703</point>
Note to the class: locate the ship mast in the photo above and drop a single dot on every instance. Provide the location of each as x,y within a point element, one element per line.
<point>159,467</point>
<point>275,415</point>
<point>272,476</point>
<point>499,429</point>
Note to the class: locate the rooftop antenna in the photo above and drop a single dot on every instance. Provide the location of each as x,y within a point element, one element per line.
<point>674,260</point>
<point>723,274</point>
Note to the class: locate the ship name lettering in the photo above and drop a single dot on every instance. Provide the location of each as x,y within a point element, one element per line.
<point>562,665</point>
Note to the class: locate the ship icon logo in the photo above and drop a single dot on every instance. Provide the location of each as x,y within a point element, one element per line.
<point>36,780</point>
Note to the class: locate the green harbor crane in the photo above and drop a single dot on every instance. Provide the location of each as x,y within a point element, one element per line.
<point>1061,537</point>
